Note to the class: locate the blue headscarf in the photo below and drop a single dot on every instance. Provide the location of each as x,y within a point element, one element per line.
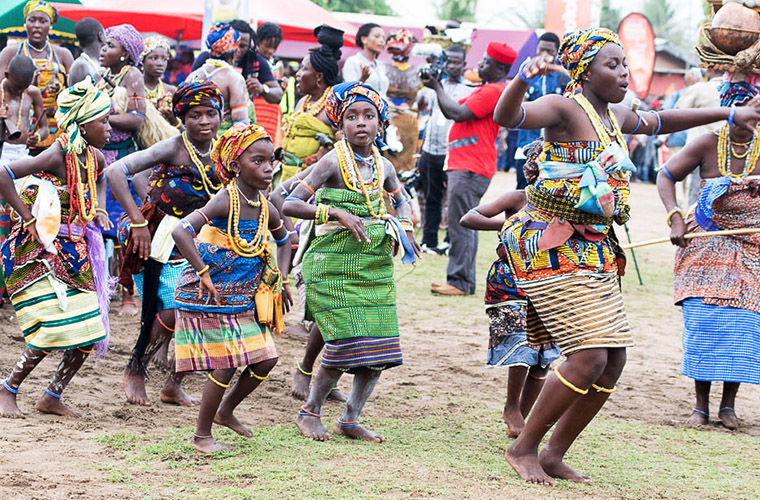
<point>345,94</point>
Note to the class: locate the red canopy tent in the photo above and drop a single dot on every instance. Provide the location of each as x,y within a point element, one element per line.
<point>183,19</point>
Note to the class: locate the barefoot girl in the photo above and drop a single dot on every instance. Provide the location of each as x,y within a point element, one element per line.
<point>230,263</point>
<point>716,278</point>
<point>182,181</point>
<point>561,247</point>
<point>348,268</point>
<point>506,308</point>
<point>54,258</point>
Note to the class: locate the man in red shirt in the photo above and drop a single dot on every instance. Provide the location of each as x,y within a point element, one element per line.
<point>471,161</point>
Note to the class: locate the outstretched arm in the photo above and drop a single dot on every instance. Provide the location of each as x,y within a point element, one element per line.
<point>450,108</point>
<point>488,217</point>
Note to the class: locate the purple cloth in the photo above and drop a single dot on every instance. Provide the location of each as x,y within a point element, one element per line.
<point>130,40</point>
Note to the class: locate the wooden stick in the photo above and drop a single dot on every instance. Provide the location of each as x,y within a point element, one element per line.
<point>724,232</point>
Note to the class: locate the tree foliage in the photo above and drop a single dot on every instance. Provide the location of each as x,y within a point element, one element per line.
<point>378,7</point>
<point>461,10</point>
<point>609,16</point>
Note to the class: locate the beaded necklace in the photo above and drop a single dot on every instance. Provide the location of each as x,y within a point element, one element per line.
<point>352,177</point>
<point>156,93</point>
<point>77,200</point>
<point>208,185</point>
<point>307,107</point>
<point>599,128</point>
<point>725,152</point>
<point>241,246</point>
<point>20,104</point>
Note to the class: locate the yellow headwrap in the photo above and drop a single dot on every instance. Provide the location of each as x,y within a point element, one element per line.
<point>578,50</point>
<point>77,105</point>
<point>232,143</point>
<point>41,6</point>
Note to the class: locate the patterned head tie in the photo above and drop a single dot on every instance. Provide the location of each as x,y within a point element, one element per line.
<point>736,93</point>
<point>129,39</point>
<point>231,145</point>
<point>40,6</point>
<point>152,43</point>
<point>578,50</point>
<point>191,94</point>
<point>345,94</point>
<point>77,105</point>
<point>222,39</point>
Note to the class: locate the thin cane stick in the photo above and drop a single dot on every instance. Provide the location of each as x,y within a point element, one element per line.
<point>633,254</point>
<point>725,232</point>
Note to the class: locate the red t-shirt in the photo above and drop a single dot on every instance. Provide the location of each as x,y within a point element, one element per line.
<point>472,144</point>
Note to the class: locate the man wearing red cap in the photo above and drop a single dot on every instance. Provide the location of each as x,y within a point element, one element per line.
<point>471,161</point>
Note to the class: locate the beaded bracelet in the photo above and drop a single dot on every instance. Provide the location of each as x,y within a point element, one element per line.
<point>136,113</point>
<point>521,74</point>
<point>659,123</point>
<point>137,225</point>
<point>522,118</point>
<point>204,270</point>
<point>102,211</point>
<point>29,222</point>
<point>676,210</point>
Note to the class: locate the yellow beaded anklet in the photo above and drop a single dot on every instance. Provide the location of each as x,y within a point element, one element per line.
<point>604,389</point>
<point>257,377</point>
<point>223,386</point>
<point>569,384</point>
<point>308,374</point>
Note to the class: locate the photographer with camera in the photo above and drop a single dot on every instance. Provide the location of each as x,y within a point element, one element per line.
<point>471,160</point>
<point>436,143</point>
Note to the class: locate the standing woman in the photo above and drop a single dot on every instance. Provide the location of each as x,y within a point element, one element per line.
<point>154,60</point>
<point>52,62</point>
<point>370,38</point>
<point>561,246</point>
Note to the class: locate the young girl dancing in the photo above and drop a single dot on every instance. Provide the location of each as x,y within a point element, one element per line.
<point>230,299</point>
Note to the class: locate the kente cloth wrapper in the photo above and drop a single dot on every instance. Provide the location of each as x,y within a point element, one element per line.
<point>232,143</point>
<point>578,50</point>
<point>722,270</point>
<point>501,52</point>
<point>206,341</point>
<point>167,283</point>
<point>191,94</point>
<point>152,43</point>
<point>350,290</point>
<point>236,278</point>
<point>47,326</point>
<point>222,39</point>
<point>77,105</point>
<point>736,93</point>
<point>351,354</point>
<point>720,343</point>
<point>577,311</point>
<point>129,39</point>
<point>40,6</point>
<point>345,94</point>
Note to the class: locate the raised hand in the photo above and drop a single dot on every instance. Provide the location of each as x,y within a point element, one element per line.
<point>540,65</point>
<point>748,116</point>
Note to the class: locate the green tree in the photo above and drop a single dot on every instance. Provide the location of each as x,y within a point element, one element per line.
<point>532,16</point>
<point>663,17</point>
<point>609,16</point>
<point>378,7</point>
<point>461,10</point>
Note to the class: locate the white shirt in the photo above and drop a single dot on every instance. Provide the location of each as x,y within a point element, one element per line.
<point>352,72</point>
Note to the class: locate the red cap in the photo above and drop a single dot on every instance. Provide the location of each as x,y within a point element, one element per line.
<point>501,52</point>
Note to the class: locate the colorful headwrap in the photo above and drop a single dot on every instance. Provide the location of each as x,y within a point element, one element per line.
<point>77,105</point>
<point>152,43</point>
<point>232,143</point>
<point>130,40</point>
<point>345,94</point>
<point>40,6</point>
<point>222,39</point>
<point>191,94</point>
<point>400,42</point>
<point>578,50</point>
<point>736,93</point>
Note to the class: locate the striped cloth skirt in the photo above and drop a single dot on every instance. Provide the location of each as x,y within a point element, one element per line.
<point>577,311</point>
<point>720,343</point>
<point>49,323</point>
<point>348,355</point>
<point>215,341</point>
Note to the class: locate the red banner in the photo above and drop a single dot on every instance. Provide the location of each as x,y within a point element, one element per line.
<point>637,38</point>
<point>563,16</point>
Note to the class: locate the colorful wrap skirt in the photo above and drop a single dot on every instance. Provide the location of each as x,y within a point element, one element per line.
<point>349,355</point>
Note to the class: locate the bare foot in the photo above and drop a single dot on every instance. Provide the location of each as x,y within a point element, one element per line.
<point>49,404</point>
<point>358,432</point>
<point>336,395</point>
<point>128,309</point>
<point>8,406</point>
<point>555,467</point>
<point>697,419</point>
<point>161,358</point>
<point>174,394</point>
<point>301,383</point>
<point>514,420</point>
<point>312,427</point>
<point>134,387</point>
<point>297,330</point>
<point>528,467</point>
<point>233,423</point>
<point>728,418</point>
<point>208,445</point>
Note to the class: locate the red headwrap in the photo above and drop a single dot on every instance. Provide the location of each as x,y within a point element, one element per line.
<point>501,52</point>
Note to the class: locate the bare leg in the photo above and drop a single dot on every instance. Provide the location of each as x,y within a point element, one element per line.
<point>307,421</point>
<point>172,391</point>
<point>582,369</point>
<point>301,380</point>
<point>577,417</point>
<point>512,415</point>
<point>532,388</point>
<point>30,358</point>
<point>727,413</point>
<point>203,441</point>
<point>71,362</point>
<point>700,415</point>
<point>161,358</point>
<point>365,381</point>
<point>128,304</point>
<point>249,380</point>
<point>134,379</point>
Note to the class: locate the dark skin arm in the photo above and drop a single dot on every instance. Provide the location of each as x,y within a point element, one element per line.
<point>140,183</point>
<point>489,215</point>
<point>277,198</point>
<point>39,112</point>
<point>450,108</point>
<point>133,82</point>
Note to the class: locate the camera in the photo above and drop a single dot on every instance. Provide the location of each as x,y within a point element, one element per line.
<point>434,71</point>
<point>411,181</point>
<point>435,57</point>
